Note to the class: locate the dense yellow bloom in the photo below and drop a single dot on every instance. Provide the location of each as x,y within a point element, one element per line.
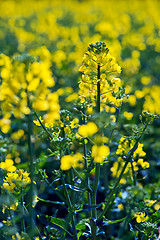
<point>152,100</point>
<point>99,153</point>
<point>15,180</point>
<point>27,84</point>
<point>143,164</point>
<point>150,202</point>
<point>88,130</point>
<point>140,217</point>
<point>69,161</point>
<point>17,135</point>
<point>128,115</point>
<point>98,57</point>
<point>132,100</point>
<point>124,147</point>
<point>8,165</point>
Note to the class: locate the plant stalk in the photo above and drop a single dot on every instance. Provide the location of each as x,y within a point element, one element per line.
<point>97,170</point>
<point>31,169</point>
<point>71,211</point>
<point>120,176</point>
<point>86,167</point>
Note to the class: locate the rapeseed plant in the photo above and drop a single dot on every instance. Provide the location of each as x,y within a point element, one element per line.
<point>80,152</point>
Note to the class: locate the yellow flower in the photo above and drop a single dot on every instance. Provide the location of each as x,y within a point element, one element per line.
<point>98,55</point>
<point>99,153</point>
<point>150,202</point>
<point>140,217</point>
<point>67,130</point>
<point>128,115</point>
<point>145,80</point>
<point>15,180</point>
<point>24,78</point>
<point>68,161</point>
<point>120,206</point>
<point>72,97</point>
<point>8,165</point>
<point>17,135</point>
<point>157,206</point>
<point>88,130</point>
<point>132,100</point>
<point>74,123</point>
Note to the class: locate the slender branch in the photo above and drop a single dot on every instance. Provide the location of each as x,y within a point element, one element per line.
<point>36,228</point>
<point>133,174</point>
<point>22,220</point>
<point>128,158</point>
<point>85,182</point>
<point>48,183</point>
<point>86,167</point>
<point>31,191</point>
<point>71,211</point>
<point>98,89</point>
<point>43,126</point>
<point>113,128</point>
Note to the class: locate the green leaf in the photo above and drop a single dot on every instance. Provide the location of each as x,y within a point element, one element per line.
<point>80,226</point>
<point>57,223</point>
<point>106,221</point>
<point>86,207</point>
<point>69,186</point>
<point>155,217</point>
<point>51,202</point>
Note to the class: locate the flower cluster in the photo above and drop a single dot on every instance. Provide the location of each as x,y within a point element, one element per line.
<point>69,161</point>
<point>99,153</point>
<point>98,57</point>
<point>88,130</point>
<point>124,147</point>
<point>140,217</point>
<point>14,181</point>
<point>8,165</point>
<point>26,83</point>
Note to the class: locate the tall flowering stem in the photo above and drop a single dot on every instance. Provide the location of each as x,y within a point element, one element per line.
<point>31,168</point>
<point>86,167</point>
<point>98,65</point>
<point>97,170</point>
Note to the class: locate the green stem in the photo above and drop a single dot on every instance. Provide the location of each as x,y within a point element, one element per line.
<point>120,176</point>
<point>112,131</point>
<point>71,211</point>
<point>97,170</point>
<point>96,180</point>
<point>43,126</point>
<point>86,167</point>
<point>133,174</point>
<point>98,89</point>
<point>48,183</point>
<point>31,191</point>
<point>22,220</point>
<point>36,228</point>
<point>79,176</point>
<point>31,227</point>
<point>72,195</point>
